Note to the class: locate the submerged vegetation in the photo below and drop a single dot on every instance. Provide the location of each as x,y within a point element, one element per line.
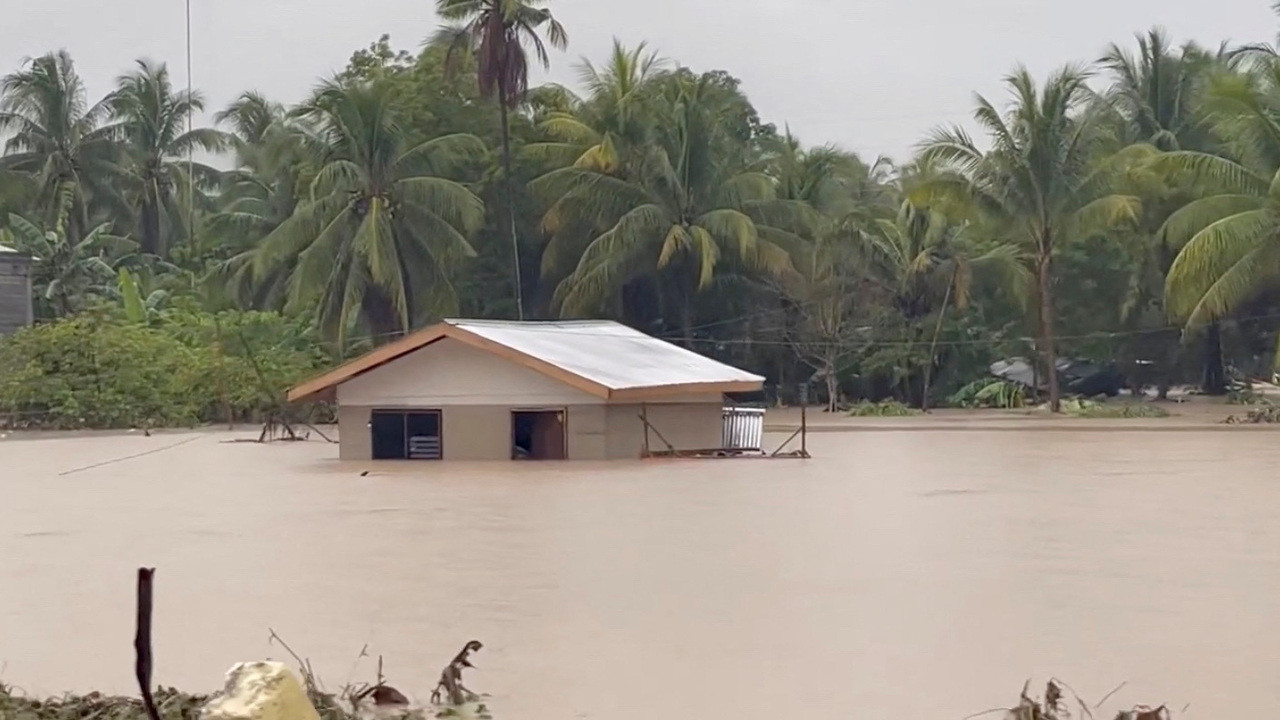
<point>990,393</point>
<point>172,704</point>
<point>1112,410</point>
<point>884,408</point>
<point>1117,210</point>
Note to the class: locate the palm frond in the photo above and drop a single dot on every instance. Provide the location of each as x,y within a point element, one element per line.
<point>1209,172</point>
<point>1188,220</point>
<point>1208,256</point>
<point>453,202</point>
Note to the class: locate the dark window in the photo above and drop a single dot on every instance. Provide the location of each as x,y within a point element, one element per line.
<point>400,435</point>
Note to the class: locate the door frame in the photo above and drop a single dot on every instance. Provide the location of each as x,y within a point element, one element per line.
<point>564,427</point>
<point>404,414</point>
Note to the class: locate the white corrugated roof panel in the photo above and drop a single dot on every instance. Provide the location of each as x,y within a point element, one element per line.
<point>607,352</point>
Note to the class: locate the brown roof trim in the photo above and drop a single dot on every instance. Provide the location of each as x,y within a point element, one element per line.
<point>324,386</point>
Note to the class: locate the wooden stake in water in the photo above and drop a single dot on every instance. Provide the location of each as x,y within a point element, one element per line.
<point>142,641</point>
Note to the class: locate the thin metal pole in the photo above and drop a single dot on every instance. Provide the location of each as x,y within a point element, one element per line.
<point>804,430</point>
<point>191,207</point>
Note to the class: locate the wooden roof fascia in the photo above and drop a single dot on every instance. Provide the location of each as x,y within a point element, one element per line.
<point>326,382</point>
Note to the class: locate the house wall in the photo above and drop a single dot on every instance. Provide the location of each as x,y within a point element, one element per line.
<point>687,426</point>
<point>15,293</point>
<point>354,439</point>
<point>448,372</point>
<point>595,432</point>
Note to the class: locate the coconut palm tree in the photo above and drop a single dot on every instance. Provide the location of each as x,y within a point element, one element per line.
<point>1227,238</point>
<point>57,137</point>
<point>1156,91</point>
<point>832,181</point>
<point>158,176</point>
<point>1158,96</point>
<point>496,32</point>
<point>603,130</point>
<point>262,190</point>
<point>683,214</point>
<point>1034,186</point>
<point>373,246</point>
<point>256,197</point>
<point>926,264</point>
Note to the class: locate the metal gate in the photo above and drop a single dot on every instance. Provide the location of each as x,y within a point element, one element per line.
<point>742,428</point>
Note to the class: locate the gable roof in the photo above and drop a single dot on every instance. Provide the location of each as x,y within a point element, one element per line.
<point>600,357</point>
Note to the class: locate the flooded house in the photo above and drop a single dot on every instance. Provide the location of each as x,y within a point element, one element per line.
<point>493,390</point>
<point>15,290</point>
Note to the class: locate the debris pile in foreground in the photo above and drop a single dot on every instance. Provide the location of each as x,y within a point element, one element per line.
<point>172,704</point>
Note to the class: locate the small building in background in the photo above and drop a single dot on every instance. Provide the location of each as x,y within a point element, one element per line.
<point>495,390</point>
<point>15,290</point>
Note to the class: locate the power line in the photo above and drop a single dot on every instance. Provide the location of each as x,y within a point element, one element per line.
<point>867,344</point>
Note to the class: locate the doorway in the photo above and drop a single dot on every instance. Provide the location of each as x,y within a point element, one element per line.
<point>406,435</point>
<point>538,435</point>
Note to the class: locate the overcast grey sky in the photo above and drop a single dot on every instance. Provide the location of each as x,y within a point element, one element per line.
<point>870,75</point>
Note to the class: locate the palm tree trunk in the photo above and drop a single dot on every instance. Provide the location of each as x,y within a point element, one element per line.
<point>1046,341</point>
<point>1214,379</point>
<point>508,189</point>
<point>151,223</point>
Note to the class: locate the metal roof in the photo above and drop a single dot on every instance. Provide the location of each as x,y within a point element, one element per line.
<point>601,357</point>
<point>607,352</point>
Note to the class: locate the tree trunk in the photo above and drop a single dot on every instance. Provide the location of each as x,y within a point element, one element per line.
<point>151,224</point>
<point>1214,379</point>
<point>933,346</point>
<point>1044,279</point>
<point>833,388</point>
<point>508,189</point>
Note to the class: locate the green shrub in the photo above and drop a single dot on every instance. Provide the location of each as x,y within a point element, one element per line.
<point>989,393</point>
<point>885,408</point>
<point>85,372</point>
<point>100,371</point>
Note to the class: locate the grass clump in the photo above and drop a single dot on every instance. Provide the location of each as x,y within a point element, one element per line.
<point>884,408</point>
<point>1111,411</point>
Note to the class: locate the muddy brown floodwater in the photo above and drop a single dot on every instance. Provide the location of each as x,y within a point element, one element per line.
<point>912,574</point>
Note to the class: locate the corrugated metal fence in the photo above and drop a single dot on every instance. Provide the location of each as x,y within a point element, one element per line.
<point>742,428</point>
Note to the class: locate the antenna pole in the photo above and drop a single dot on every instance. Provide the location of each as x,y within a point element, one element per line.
<point>191,207</point>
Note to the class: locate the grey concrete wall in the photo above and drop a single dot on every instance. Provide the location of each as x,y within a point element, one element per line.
<point>15,293</point>
<point>687,426</point>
